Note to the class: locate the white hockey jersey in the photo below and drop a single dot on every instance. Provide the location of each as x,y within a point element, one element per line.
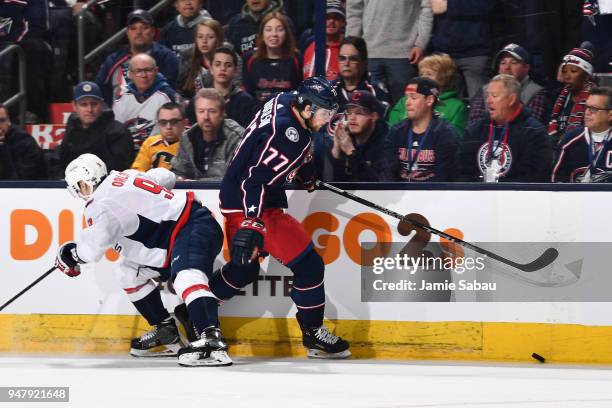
<point>140,117</point>
<point>133,213</point>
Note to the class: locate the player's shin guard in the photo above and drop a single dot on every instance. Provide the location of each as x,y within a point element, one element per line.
<point>147,300</point>
<point>232,278</point>
<point>192,286</point>
<point>308,293</point>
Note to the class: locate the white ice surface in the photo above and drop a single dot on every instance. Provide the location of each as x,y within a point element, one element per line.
<point>117,382</point>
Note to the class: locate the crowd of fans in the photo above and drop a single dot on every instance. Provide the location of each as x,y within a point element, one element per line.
<point>430,90</point>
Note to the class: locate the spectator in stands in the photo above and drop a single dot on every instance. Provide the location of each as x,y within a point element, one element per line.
<point>354,75</point>
<point>158,150</point>
<point>114,73</point>
<point>195,69</point>
<point>276,65</point>
<point>334,33</point>
<point>397,33</point>
<point>586,153</point>
<point>147,90</point>
<point>451,109</point>
<point>239,105</point>
<point>352,148</point>
<point>508,144</point>
<point>91,129</point>
<point>514,60</point>
<point>421,147</point>
<point>243,27</point>
<point>463,30</point>
<point>207,147</point>
<point>20,156</point>
<point>568,110</point>
<point>177,35</point>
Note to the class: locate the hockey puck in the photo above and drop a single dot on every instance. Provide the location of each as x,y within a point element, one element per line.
<point>538,357</point>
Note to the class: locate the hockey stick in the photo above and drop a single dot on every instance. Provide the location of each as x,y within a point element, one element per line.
<point>544,260</point>
<point>43,276</point>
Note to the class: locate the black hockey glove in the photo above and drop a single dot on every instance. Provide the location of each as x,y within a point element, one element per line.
<point>248,241</point>
<point>67,260</point>
<point>308,183</point>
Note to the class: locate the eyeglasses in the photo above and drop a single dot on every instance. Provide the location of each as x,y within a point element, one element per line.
<point>171,122</point>
<point>143,71</point>
<point>349,58</point>
<point>595,109</point>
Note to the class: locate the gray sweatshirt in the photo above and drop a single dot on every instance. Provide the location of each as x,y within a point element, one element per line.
<point>390,27</point>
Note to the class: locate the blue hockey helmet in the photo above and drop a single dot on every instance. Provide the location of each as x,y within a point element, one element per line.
<point>318,92</point>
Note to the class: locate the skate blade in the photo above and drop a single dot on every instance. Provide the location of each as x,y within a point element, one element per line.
<point>168,350</point>
<point>216,359</point>
<point>314,353</point>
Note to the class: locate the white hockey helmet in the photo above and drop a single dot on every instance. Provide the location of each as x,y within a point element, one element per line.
<point>88,169</point>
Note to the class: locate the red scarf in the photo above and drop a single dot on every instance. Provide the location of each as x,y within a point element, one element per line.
<point>576,117</point>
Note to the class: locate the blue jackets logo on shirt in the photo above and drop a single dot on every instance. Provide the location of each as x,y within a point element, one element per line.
<point>500,160</point>
<point>292,134</point>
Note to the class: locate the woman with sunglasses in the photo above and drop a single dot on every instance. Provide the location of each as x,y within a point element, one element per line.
<point>354,75</point>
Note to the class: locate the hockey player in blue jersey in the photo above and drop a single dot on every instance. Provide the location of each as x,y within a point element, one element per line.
<point>171,234</point>
<point>276,148</point>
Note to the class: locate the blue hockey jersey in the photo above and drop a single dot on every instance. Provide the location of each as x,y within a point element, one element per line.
<point>272,151</point>
<point>578,150</point>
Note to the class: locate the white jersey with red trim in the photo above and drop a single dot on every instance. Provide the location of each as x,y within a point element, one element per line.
<point>133,213</point>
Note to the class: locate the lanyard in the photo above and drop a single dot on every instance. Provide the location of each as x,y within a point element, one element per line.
<point>593,160</point>
<point>494,143</point>
<point>412,161</point>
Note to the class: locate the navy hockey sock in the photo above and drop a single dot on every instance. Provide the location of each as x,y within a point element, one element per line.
<point>204,312</point>
<point>232,278</point>
<point>152,308</point>
<point>308,291</point>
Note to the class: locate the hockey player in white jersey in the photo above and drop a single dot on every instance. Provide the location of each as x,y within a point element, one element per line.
<point>170,233</point>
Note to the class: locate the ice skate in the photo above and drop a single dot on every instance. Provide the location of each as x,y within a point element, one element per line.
<point>161,341</point>
<point>321,343</point>
<point>209,351</point>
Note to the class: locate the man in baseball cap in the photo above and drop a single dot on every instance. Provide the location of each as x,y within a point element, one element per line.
<point>139,15</point>
<point>421,147</point>
<point>113,74</point>
<point>92,129</point>
<point>87,89</point>
<point>514,60</point>
<point>355,142</point>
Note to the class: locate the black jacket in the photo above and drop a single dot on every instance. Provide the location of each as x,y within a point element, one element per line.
<point>530,151</point>
<point>106,138</point>
<point>20,157</point>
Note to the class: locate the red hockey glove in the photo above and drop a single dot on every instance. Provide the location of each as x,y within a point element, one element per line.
<point>67,260</point>
<point>248,241</point>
